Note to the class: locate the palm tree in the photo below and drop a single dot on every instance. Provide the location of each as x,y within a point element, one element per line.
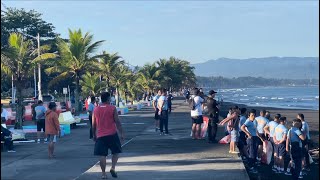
<point>108,65</point>
<point>133,87</point>
<point>76,58</point>
<point>18,60</point>
<point>167,73</point>
<point>90,83</point>
<point>122,74</point>
<point>175,73</point>
<point>148,77</point>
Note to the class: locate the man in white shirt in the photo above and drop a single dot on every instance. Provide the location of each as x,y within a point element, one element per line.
<point>156,113</point>
<point>196,114</point>
<point>4,114</point>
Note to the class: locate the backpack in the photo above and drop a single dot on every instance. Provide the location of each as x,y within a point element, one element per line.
<point>191,103</point>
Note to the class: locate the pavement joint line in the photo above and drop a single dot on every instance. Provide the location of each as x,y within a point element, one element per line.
<point>99,161</point>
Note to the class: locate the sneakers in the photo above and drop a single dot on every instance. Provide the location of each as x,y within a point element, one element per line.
<point>300,176</point>
<point>274,169</point>
<point>11,151</point>
<point>258,163</point>
<point>253,170</point>
<point>38,141</point>
<point>45,140</point>
<point>306,169</point>
<point>244,159</point>
<point>288,173</point>
<point>162,133</point>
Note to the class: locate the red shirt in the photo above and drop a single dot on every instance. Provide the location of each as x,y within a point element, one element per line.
<point>104,120</point>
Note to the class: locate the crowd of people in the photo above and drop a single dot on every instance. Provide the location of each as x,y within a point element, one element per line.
<point>249,133</point>
<point>46,120</point>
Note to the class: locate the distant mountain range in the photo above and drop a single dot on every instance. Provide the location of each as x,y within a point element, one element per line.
<point>268,67</point>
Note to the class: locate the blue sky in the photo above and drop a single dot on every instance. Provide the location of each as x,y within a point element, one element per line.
<point>142,31</point>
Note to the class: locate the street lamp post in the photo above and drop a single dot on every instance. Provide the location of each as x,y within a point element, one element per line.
<point>39,71</point>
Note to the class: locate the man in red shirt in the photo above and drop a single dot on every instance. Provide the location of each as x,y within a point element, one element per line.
<point>105,128</point>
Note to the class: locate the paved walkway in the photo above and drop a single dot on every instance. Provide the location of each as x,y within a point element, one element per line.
<point>176,157</point>
<point>147,155</point>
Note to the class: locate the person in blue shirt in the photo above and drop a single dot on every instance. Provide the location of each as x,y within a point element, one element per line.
<point>91,107</point>
<point>262,121</point>
<point>250,129</point>
<point>163,112</point>
<point>242,144</point>
<point>269,129</point>
<point>40,120</point>
<point>279,138</point>
<point>305,144</point>
<point>294,145</point>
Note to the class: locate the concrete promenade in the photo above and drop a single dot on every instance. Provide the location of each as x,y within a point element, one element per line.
<point>146,154</point>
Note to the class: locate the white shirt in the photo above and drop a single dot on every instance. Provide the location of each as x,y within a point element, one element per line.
<point>198,108</point>
<point>305,129</point>
<point>4,113</point>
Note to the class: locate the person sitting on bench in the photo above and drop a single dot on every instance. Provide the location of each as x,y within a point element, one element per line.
<point>6,136</point>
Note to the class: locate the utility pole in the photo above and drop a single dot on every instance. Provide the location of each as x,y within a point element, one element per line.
<point>39,71</point>
<point>35,82</point>
<point>13,100</point>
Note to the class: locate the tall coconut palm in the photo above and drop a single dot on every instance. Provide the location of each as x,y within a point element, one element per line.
<point>18,60</point>
<point>148,77</point>
<point>76,58</point>
<point>108,65</point>
<point>90,84</point>
<point>133,87</point>
<point>122,74</point>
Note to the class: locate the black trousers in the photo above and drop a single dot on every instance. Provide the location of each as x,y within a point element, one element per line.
<point>212,130</point>
<point>90,122</point>
<point>169,107</point>
<point>253,144</point>
<point>296,155</point>
<point>164,121</point>
<point>8,143</point>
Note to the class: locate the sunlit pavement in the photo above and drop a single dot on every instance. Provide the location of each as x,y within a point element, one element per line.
<point>147,155</point>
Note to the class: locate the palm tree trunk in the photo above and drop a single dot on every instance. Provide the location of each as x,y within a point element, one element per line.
<point>108,84</point>
<point>118,95</point>
<point>19,106</point>
<point>76,92</point>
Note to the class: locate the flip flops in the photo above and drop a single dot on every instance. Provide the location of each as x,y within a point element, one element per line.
<point>104,177</point>
<point>113,173</point>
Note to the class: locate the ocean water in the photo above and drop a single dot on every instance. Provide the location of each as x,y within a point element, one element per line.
<point>279,97</point>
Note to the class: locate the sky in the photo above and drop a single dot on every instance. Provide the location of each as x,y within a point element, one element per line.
<point>145,31</point>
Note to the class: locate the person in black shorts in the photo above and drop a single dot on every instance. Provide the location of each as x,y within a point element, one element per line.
<point>242,144</point>
<point>106,130</point>
<point>40,120</point>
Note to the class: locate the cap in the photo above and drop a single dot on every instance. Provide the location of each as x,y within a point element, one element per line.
<point>52,105</point>
<point>212,92</point>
